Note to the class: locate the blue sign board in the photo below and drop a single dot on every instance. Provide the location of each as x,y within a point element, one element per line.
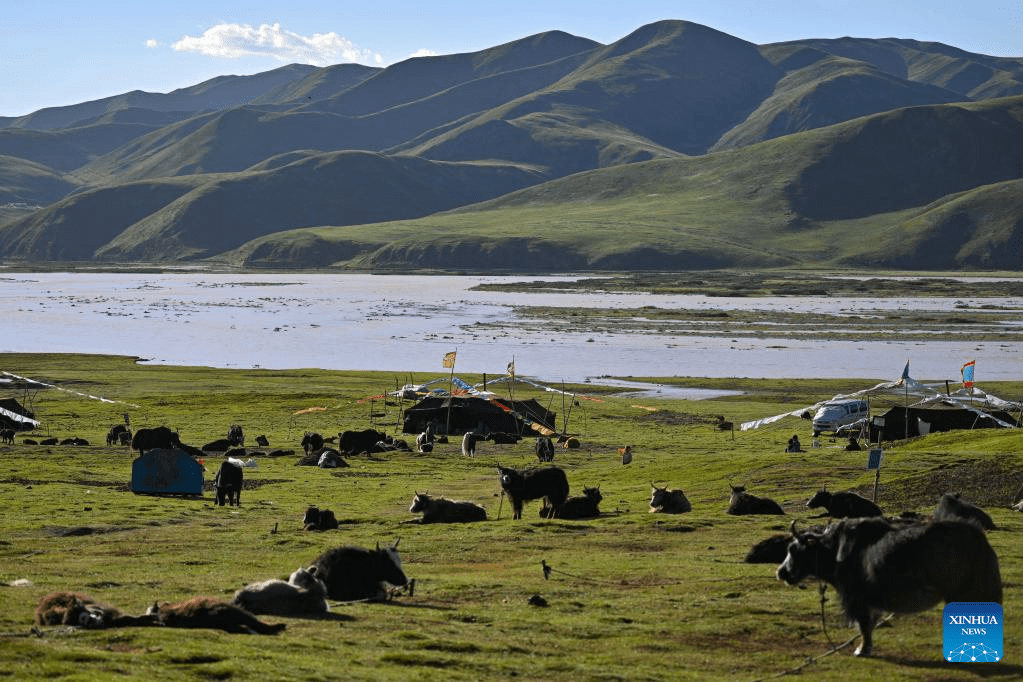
<point>972,632</point>
<point>874,459</point>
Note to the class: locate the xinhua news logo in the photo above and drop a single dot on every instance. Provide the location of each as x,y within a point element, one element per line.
<point>973,632</point>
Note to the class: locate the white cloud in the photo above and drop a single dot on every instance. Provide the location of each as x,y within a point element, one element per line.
<point>270,40</point>
<point>423,52</point>
<point>152,42</point>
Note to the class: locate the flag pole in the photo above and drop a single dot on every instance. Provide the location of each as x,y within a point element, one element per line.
<point>451,395</point>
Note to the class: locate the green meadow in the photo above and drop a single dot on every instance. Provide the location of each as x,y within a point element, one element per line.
<point>630,595</point>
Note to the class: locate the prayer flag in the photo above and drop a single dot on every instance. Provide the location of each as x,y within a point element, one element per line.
<point>511,368</point>
<point>967,372</point>
<point>449,359</point>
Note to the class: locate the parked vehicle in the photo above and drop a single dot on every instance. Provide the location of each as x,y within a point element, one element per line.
<point>835,414</point>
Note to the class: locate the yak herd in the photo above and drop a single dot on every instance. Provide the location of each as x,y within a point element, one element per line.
<point>875,563</point>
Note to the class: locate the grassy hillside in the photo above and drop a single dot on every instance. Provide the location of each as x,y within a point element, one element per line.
<point>548,106</point>
<point>825,196</point>
<point>630,595</point>
<point>342,188</point>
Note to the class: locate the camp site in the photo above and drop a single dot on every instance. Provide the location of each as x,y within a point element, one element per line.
<point>624,594</point>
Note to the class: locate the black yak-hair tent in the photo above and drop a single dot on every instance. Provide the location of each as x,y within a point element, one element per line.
<point>14,416</point>
<point>458,415</point>
<point>919,420</point>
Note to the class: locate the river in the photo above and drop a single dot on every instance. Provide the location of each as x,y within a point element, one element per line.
<point>406,324</point>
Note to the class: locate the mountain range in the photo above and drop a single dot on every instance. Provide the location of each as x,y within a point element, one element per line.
<point>676,147</point>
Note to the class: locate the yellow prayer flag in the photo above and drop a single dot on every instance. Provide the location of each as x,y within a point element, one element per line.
<point>449,359</point>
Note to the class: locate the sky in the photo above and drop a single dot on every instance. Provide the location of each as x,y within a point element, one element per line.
<point>61,52</point>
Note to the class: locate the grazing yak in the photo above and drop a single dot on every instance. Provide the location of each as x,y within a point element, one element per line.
<point>7,436</point>
<point>585,506</point>
<point>951,507</point>
<point>549,483</point>
<point>203,612</point>
<point>665,501</point>
<point>319,519</point>
<point>742,503</point>
<point>159,437</point>
<point>118,435</point>
<point>544,449</point>
<point>228,484</point>
<point>443,510</point>
<point>354,573</point>
<point>71,608</point>
<point>877,566</point>
<point>301,594</point>
<point>843,505</point>
<point>358,442</point>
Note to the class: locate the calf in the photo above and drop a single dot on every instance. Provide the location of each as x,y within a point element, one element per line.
<point>235,435</point>
<point>443,510</point>
<point>951,507</point>
<point>843,505</point>
<point>228,484</point>
<point>742,503</point>
<point>311,442</point>
<point>302,594</point>
<point>665,501</point>
<point>586,506</point>
<point>876,566</point>
<point>116,433</point>
<point>262,441</point>
<point>353,573</point>
<point>549,483</point>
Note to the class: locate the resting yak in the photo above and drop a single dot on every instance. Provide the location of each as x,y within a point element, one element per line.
<point>951,507</point>
<point>301,594</point>
<point>549,483</point>
<point>664,501</point>
<point>876,565</point>
<point>353,573</point>
<point>843,505</point>
<point>585,506</point>
<point>742,503</point>
<point>443,510</point>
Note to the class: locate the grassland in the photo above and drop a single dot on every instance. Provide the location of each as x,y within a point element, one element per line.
<point>633,596</point>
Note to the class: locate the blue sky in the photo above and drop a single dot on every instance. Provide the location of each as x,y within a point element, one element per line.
<point>58,52</point>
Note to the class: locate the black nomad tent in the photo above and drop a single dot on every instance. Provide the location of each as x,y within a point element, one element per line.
<point>919,420</point>
<point>14,416</point>
<point>458,415</point>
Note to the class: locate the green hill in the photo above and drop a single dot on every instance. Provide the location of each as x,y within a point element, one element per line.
<point>677,146</point>
<point>828,197</point>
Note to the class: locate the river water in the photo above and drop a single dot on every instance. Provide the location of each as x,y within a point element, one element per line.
<point>406,324</point>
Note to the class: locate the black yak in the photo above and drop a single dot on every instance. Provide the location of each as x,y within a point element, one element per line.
<point>311,442</point>
<point>228,484</point>
<point>544,449</point>
<point>443,510</point>
<point>585,506</point>
<point>203,612</point>
<point>665,501</point>
<point>117,433</point>
<point>319,519</point>
<point>742,503</point>
<point>951,507</point>
<point>353,573</point>
<point>549,483</point>
<point>159,437</point>
<point>301,594</point>
<point>843,505</point>
<point>235,435</point>
<point>877,566</point>
<point>358,442</point>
